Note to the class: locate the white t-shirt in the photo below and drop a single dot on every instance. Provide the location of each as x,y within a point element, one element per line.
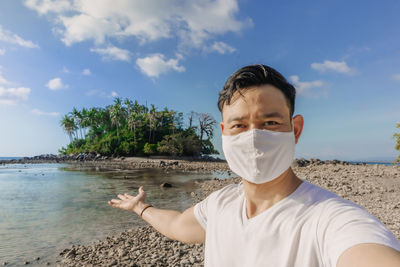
<point>310,227</point>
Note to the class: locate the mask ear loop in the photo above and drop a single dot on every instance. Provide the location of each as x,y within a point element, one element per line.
<point>292,124</point>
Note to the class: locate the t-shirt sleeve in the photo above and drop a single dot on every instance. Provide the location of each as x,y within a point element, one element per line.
<point>208,207</point>
<point>344,224</point>
<point>202,209</point>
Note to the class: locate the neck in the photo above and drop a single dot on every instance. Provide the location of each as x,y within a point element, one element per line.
<point>260,197</point>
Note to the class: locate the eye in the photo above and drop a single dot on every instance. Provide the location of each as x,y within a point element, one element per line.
<point>271,123</point>
<point>238,125</point>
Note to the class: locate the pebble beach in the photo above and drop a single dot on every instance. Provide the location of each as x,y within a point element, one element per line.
<point>375,187</point>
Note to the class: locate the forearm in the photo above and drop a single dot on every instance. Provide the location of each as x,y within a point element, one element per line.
<point>160,219</point>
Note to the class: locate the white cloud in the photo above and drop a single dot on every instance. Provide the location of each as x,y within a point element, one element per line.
<point>102,93</point>
<point>85,27</point>
<point>86,72</point>
<point>11,96</point>
<point>2,51</point>
<point>56,84</point>
<point>156,64</point>
<point>222,48</point>
<point>304,87</point>
<point>192,22</point>
<point>336,66</point>
<point>396,77</point>
<point>9,37</point>
<point>42,113</point>
<point>113,53</point>
<point>45,6</point>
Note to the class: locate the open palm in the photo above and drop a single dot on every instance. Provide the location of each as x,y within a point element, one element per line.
<point>128,202</point>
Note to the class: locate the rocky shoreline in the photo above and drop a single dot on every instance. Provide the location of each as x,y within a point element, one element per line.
<point>99,162</point>
<point>190,164</point>
<point>375,187</point>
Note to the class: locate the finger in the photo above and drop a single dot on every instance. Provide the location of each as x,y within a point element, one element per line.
<point>112,205</point>
<point>121,196</point>
<point>141,189</point>
<point>115,201</point>
<point>128,196</point>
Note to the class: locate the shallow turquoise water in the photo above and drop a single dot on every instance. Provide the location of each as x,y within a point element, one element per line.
<point>45,208</point>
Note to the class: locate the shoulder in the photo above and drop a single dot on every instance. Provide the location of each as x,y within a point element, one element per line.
<point>335,213</point>
<point>333,208</point>
<point>314,195</point>
<point>227,192</point>
<point>223,196</point>
<point>214,201</point>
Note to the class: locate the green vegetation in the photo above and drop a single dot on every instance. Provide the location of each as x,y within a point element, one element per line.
<point>130,129</point>
<point>397,147</point>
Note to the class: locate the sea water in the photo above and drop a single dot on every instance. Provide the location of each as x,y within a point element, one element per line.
<point>45,208</point>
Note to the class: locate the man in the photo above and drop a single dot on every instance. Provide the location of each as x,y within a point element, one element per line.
<point>272,218</point>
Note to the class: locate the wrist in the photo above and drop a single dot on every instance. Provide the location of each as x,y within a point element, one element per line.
<point>146,206</point>
<point>139,207</point>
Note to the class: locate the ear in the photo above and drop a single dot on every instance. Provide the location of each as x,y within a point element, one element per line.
<point>298,123</point>
<point>222,126</point>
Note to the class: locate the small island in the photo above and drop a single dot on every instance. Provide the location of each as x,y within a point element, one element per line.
<point>128,128</point>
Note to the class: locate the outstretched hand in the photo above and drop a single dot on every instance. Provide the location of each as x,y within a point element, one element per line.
<point>128,202</point>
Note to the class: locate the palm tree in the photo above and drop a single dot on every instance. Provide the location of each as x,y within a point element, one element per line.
<point>67,122</point>
<point>138,109</point>
<point>78,119</point>
<point>84,123</point>
<point>129,106</point>
<point>116,114</point>
<point>152,118</point>
<point>134,121</point>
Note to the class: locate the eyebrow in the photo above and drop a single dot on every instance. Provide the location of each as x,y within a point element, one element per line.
<point>264,116</point>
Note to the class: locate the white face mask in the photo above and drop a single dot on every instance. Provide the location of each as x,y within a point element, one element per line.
<point>259,156</point>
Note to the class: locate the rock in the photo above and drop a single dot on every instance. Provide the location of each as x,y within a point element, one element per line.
<point>121,252</point>
<point>71,254</point>
<point>165,185</point>
<point>185,261</point>
<point>302,162</point>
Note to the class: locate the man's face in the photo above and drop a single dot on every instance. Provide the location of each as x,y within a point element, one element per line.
<point>262,107</point>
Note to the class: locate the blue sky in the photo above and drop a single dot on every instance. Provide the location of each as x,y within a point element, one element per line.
<point>342,56</point>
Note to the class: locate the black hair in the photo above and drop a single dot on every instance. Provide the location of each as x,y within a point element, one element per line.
<point>256,75</point>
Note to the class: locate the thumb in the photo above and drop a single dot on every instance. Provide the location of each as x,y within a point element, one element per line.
<point>141,191</point>
<point>142,195</point>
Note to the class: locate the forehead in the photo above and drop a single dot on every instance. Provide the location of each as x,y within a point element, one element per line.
<point>258,100</point>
